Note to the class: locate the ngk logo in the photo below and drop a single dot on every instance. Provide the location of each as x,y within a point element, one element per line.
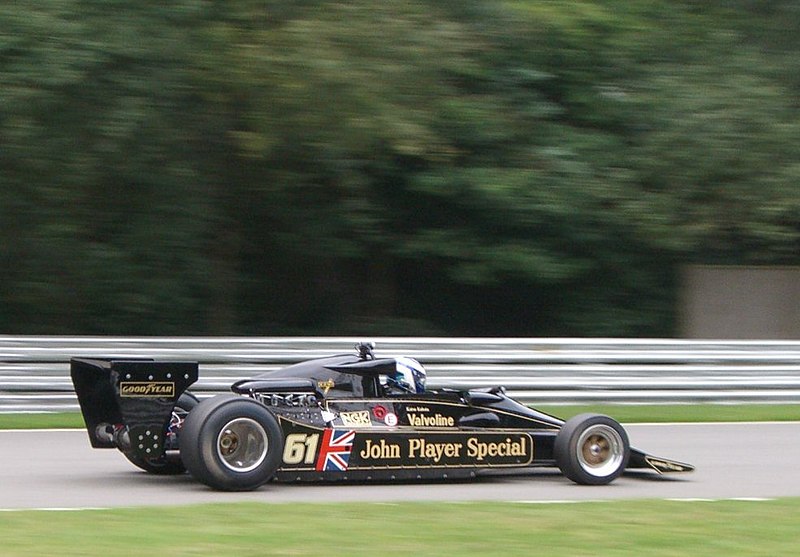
<point>146,389</point>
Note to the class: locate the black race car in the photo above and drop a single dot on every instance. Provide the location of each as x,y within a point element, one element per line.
<point>346,417</point>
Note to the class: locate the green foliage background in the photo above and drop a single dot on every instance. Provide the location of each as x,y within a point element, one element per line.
<point>458,167</point>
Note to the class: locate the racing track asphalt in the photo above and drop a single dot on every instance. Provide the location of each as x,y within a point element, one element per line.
<point>58,469</point>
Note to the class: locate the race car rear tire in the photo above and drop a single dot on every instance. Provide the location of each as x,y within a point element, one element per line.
<point>169,464</point>
<point>231,443</point>
<point>592,449</point>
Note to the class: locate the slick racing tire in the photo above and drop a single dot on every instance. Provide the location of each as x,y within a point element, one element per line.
<point>170,463</point>
<point>231,443</point>
<point>592,449</point>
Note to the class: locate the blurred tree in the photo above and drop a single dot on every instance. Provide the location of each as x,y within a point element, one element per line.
<point>308,166</point>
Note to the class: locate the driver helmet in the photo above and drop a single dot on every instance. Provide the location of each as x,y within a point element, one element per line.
<point>409,375</point>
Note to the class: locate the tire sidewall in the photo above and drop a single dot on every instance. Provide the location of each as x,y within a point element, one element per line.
<point>566,449</point>
<point>198,442</point>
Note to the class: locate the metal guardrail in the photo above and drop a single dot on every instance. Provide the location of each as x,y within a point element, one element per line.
<point>34,371</point>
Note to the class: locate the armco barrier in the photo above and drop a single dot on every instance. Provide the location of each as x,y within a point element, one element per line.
<point>34,371</point>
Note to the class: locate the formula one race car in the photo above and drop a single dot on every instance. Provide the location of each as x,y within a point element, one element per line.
<point>346,417</point>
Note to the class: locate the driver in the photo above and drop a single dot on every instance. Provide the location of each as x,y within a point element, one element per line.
<point>408,377</point>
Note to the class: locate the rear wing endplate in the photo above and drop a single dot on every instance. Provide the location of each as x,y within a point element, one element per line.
<point>139,394</point>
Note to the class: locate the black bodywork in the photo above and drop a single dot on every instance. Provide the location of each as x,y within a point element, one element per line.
<point>338,420</point>
<point>131,399</point>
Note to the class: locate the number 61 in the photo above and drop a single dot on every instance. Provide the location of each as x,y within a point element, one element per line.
<point>300,447</point>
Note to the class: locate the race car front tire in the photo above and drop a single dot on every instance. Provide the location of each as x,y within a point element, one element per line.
<point>592,449</point>
<point>231,443</point>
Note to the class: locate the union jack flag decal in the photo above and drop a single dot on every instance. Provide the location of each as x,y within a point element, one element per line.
<point>334,454</point>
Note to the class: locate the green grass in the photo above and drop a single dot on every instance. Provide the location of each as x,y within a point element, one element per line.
<point>626,413</point>
<point>49,420</point>
<point>610,529</point>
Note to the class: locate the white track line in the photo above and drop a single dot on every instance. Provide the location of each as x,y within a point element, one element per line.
<point>671,499</point>
<point>57,509</point>
<point>521,502</point>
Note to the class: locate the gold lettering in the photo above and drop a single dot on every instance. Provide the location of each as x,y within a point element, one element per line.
<point>146,389</point>
<point>380,450</point>
<point>420,448</point>
<point>662,465</point>
<point>507,447</point>
<point>437,420</point>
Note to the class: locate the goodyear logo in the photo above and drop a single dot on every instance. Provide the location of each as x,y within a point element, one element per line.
<point>147,389</point>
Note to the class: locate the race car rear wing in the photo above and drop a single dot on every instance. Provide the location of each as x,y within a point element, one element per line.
<point>135,395</point>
